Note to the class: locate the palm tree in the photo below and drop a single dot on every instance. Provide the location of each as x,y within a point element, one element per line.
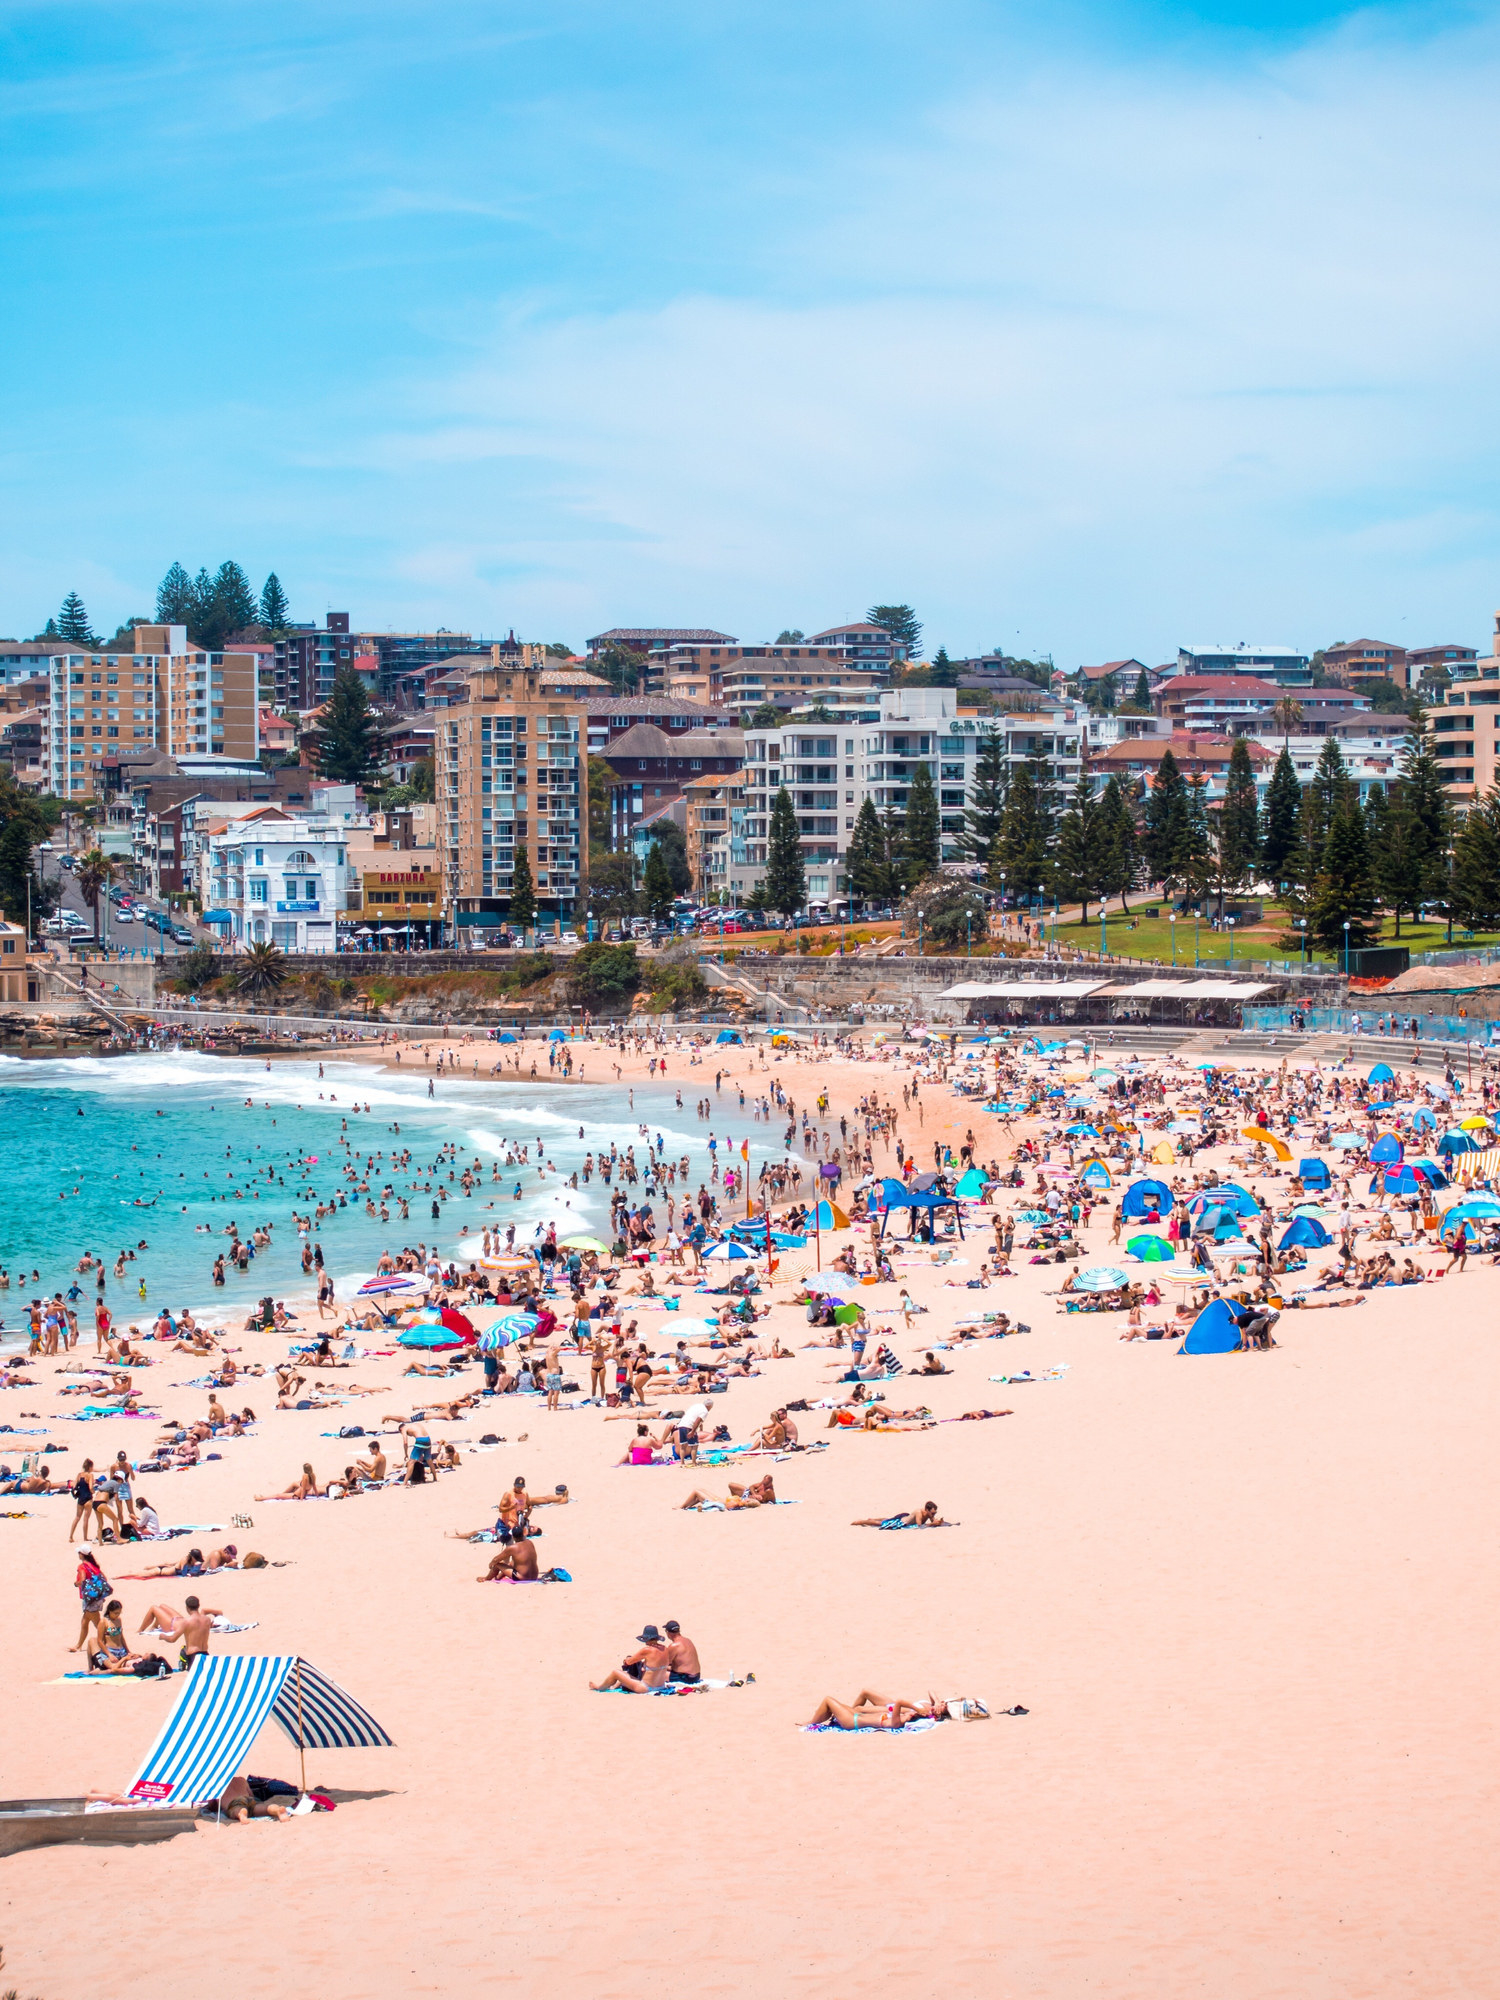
<point>95,873</point>
<point>261,971</point>
<point>1287,714</point>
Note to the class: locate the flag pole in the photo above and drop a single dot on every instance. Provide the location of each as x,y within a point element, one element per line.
<point>818,1229</point>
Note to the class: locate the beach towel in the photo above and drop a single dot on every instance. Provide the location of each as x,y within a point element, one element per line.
<point>704,1686</point>
<point>104,1680</point>
<point>918,1727</point>
<point>223,1624</point>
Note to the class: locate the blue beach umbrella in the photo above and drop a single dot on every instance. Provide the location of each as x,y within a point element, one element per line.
<point>507,1327</point>
<point>428,1335</point>
<point>729,1249</point>
<point>1103,1278</point>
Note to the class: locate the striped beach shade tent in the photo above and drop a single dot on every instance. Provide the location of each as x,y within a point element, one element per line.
<point>221,1711</point>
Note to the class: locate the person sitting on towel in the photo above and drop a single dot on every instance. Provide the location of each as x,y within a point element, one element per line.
<point>516,1562</point>
<point>642,1671</point>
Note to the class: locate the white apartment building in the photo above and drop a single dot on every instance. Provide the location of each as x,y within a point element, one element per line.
<point>831,768</point>
<point>271,877</point>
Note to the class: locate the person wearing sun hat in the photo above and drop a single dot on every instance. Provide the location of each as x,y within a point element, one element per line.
<point>642,1671</point>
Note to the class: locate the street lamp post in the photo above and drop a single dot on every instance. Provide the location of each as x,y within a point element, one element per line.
<point>1172,920</point>
<point>1196,915</point>
<point>1102,941</point>
<point>1302,934</point>
<point>1230,922</point>
<point>1346,948</point>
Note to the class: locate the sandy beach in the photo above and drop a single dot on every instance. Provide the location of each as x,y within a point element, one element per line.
<point>1246,1600</point>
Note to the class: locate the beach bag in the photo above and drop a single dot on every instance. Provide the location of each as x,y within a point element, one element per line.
<point>95,1587</point>
<point>151,1667</point>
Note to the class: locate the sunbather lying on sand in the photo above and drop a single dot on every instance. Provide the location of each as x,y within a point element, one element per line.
<point>238,1803</point>
<point>869,1710</point>
<point>926,1516</point>
<point>760,1493</point>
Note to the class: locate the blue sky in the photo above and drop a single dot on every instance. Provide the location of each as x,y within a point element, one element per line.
<point>1094,333</point>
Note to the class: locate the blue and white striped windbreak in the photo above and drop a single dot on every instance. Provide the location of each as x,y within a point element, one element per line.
<point>221,1710</point>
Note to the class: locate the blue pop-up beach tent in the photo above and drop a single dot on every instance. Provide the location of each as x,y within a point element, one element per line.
<point>726,1035</point>
<point>1137,1199</point>
<point>1214,1331</point>
<point>1314,1173</point>
<point>1096,1175</point>
<point>1381,1073</point>
<point>1386,1149</point>
<point>1306,1233</point>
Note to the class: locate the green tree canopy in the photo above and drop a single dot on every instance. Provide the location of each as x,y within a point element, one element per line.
<point>656,885</point>
<point>1278,833</point>
<point>786,878</point>
<point>1239,822</point>
<point>73,622</point>
<point>603,973</point>
<point>945,914</point>
<point>901,622</point>
<point>1344,892</point>
<point>1021,854</point>
<point>522,890</point>
<point>347,737</point>
<point>612,896</point>
<point>1118,841</point>
<point>176,603</point>
<point>274,612</point>
<point>922,840</point>
<point>984,815</point>
<point>262,972</point>
<point>869,860</point>
<point>1079,860</point>
<point>23,824</point>
<point>1474,883</point>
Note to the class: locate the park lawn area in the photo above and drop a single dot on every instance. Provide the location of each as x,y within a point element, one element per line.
<point>1151,938</point>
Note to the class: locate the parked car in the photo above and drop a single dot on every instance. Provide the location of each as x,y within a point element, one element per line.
<point>179,935</point>
<point>125,915</point>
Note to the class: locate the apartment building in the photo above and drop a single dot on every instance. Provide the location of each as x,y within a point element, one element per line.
<point>269,877</point>
<point>306,659</point>
<point>165,696</point>
<point>830,769</point>
<point>652,767</point>
<point>169,814</point>
<point>1421,660</point>
<point>510,770</point>
<point>1282,664</point>
<point>1215,701</point>
<point>1198,755</point>
<point>23,747</point>
<point>857,658</point>
<point>610,715</point>
<point>1466,739</point>
<point>1356,660</point>
<point>714,812</point>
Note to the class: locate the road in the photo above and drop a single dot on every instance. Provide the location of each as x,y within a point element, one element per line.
<point>119,936</point>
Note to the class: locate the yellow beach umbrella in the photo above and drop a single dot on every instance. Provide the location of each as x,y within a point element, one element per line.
<point>1475,1124</point>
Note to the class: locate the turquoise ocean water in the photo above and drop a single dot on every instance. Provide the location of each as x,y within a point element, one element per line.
<point>90,1138</point>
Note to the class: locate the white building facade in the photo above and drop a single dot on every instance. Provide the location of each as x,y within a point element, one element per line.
<point>268,878</point>
<point>831,768</point>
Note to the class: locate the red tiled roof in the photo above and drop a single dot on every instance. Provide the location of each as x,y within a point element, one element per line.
<point>1240,686</point>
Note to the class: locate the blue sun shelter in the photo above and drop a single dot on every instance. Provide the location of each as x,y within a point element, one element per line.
<point>1386,1150</point>
<point>1381,1073</point>
<point>1314,1174</point>
<point>727,1035</point>
<point>1305,1233</point>
<point>1146,1198</point>
<point>1214,1331</point>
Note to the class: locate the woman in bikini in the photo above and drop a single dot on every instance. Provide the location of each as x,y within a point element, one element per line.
<point>869,1710</point>
<point>305,1488</point>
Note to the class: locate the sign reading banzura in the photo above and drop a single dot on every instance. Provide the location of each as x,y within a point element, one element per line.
<point>417,875</point>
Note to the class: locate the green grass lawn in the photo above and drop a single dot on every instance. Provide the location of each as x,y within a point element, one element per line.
<point>1151,937</point>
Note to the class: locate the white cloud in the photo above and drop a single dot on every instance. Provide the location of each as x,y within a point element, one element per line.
<point>1114,357</point>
